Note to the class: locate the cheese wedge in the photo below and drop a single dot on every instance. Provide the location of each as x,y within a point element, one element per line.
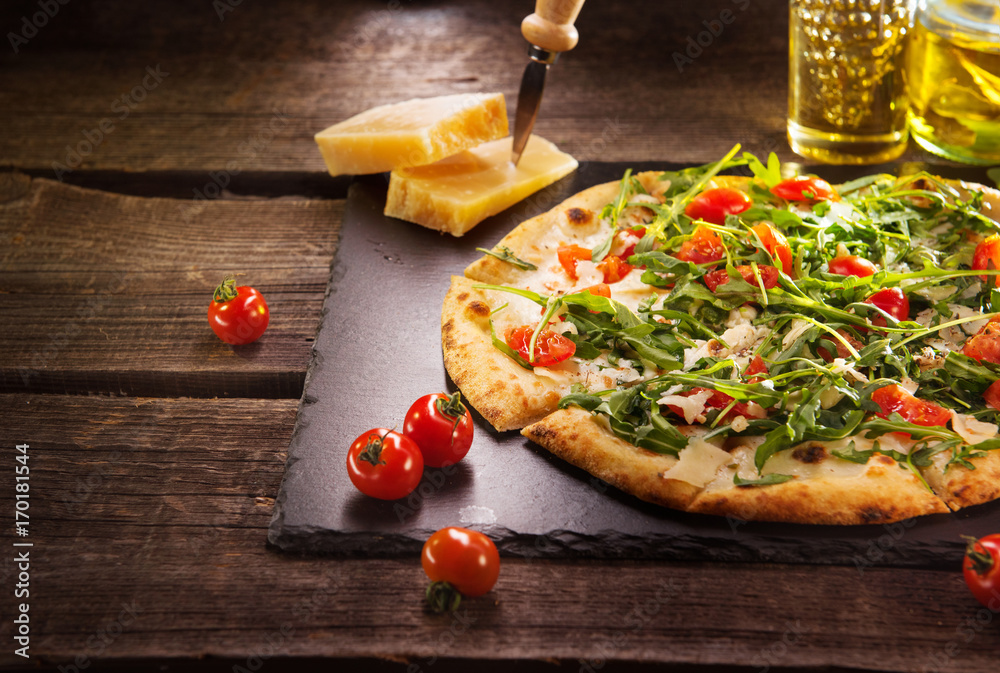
<point>459,192</point>
<point>412,133</point>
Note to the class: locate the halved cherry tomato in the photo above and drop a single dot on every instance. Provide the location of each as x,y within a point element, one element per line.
<point>987,258</point>
<point>614,268</point>
<point>385,464</point>
<point>238,315</point>
<point>626,240</point>
<point>569,255</point>
<point>441,426</point>
<point>896,399</point>
<point>842,351</point>
<point>992,395</point>
<point>458,559</point>
<point>893,301</point>
<point>703,246</point>
<point>981,569</point>
<point>776,245</point>
<point>768,276</point>
<point>852,265</point>
<point>755,369</point>
<point>550,348</point>
<point>600,290</point>
<point>804,188</point>
<point>985,344</point>
<point>712,205</point>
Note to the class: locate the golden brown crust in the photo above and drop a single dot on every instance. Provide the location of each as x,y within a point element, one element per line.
<point>576,437</point>
<point>961,487</point>
<point>506,394</point>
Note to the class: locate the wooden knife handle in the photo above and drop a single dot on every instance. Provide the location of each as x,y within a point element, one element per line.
<point>551,26</point>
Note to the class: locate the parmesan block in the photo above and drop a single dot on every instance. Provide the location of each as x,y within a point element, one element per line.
<point>459,192</point>
<point>412,133</point>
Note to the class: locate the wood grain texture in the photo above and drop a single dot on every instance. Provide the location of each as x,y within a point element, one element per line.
<point>246,89</point>
<point>161,506</point>
<point>103,293</point>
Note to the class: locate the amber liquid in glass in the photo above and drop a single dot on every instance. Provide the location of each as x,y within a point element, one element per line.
<point>847,96</point>
<point>953,68</point>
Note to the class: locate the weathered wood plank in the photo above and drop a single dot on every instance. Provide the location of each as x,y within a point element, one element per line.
<point>171,526</point>
<point>247,89</point>
<point>106,293</point>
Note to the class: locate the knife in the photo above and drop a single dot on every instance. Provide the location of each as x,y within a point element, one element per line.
<point>549,32</point>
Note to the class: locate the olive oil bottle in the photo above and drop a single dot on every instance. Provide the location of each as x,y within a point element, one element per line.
<point>953,67</point>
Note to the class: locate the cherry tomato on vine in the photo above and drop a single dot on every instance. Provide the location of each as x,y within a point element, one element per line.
<point>385,464</point>
<point>441,426</point>
<point>804,188</point>
<point>703,246</point>
<point>776,245</point>
<point>238,315</point>
<point>550,348</point>
<point>852,265</point>
<point>987,258</point>
<point>981,568</point>
<point>915,410</point>
<point>458,561</point>
<point>712,205</point>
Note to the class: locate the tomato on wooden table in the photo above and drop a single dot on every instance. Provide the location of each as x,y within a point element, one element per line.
<point>987,258</point>
<point>441,426</point>
<point>712,205</point>
<point>852,265</point>
<point>569,255</point>
<point>550,348</point>
<point>768,276</point>
<point>985,344</point>
<point>238,315</point>
<point>458,560</point>
<point>804,188</point>
<point>893,301</point>
<point>896,399</point>
<point>704,246</point>
<point>384,464</point>
<point>776,245</point>
<point>981,569</point>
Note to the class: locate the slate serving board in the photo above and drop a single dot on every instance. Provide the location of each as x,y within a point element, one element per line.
<point>378,349</point>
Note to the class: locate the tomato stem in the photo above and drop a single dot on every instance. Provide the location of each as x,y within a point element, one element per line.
<point>372,452</point>
<point>226,290</point>
<point>982,562</point>
<point>443,597</point>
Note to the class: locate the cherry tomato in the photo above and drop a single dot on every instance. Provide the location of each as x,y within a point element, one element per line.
<point>599,290</point>
<point>842,351</point>
<point>981,568</point>
<point>755,369</point>
<point>441,426</point>
<point>550,348</point>
<point>720,400</point>
<point>852,265</point>
<point>569,255</point>
<point>776,245</point>
<point>919,412</point>
<point>992,395</point>
<point>703,246</point>
<point>987,258</point>
<point>238,315</point>
<point>712,205</point>
<point>614,268</point>
<point>804,188</point>
<point>768,276</point>
<point>626,240</point>
<point>458,559</point>
<point>985,344</point>
<point>893,301</point>
<point>385,464</point>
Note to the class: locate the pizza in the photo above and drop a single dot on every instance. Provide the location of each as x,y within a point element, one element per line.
<point>753,346</point>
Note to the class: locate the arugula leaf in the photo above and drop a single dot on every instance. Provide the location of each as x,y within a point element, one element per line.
<point>504,254</point>
<point>766,480</point>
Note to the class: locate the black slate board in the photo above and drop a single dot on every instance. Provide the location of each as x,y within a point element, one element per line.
<point>378,349</point>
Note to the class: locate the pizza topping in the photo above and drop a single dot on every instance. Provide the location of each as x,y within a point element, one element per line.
<point>852,265</point>
<point>703,247</point>
<point>971,430</point>
<point>698,463</point>
<point>895,399</point>
<point>804,188</point>
<point>776,245</point>
<point>570,255</point>
<point>549,347</point>
<point>712,205</point>
<point>765,276</point>
<point>987,258</point>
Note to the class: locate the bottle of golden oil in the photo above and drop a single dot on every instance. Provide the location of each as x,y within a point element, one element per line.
<point>953,69</point>
<point>847,94</point>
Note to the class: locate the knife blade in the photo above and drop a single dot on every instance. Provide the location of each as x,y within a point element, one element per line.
<point>549,31</point>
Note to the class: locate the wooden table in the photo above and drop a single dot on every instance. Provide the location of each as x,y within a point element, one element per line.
<point>148,151</point>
